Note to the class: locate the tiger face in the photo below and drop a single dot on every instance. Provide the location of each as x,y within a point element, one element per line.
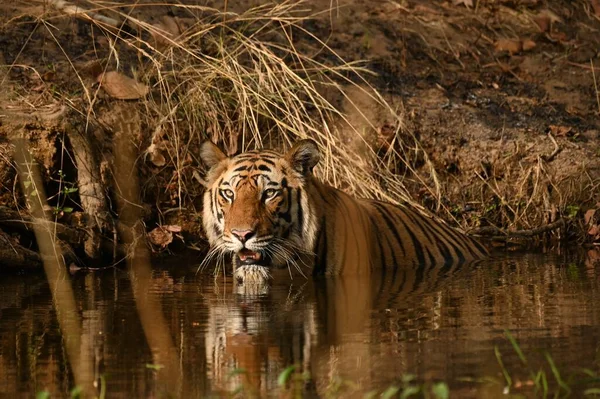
<point>255,205</point>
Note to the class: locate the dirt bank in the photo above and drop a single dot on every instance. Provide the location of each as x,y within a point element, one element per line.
<point>488,114</point>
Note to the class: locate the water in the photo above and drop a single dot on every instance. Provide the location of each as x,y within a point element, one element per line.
<point>353,335</point>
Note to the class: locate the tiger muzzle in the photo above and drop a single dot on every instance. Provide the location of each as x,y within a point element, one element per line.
<point>249,257</point>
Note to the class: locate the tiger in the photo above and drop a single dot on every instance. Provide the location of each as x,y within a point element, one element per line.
<point>268,210</point>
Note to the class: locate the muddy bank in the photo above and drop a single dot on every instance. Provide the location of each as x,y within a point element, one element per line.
<point>488,116</point>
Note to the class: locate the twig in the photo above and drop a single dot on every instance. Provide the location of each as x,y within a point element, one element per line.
<point>582,65</point>
<point>496,232</point>
<point>557,149</point>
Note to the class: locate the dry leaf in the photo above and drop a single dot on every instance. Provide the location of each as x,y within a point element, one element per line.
<point>588,216</point>
<point>596,7</point>
<point>528,44</point>
<point>121,87</point>
<point>160,236</point>
<point>594,231</point>
<point>545,19</point>
<point>169,28</point>
<point>467,3</point>
<point>511,45</point>
<point>560,37</point>
<point>560,131</point>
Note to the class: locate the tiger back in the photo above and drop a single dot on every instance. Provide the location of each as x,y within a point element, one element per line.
<point>267,210</point>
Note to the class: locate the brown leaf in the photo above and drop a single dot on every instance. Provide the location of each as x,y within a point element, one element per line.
<point>545,19</point>
<point>588,216</point>
<point>121,87</point>
<point>594,231</point>
<point>560,131</point>
<point>596,7</point>
<point>528,44</point>
<point>560,37</point>
<point>511,45</point>
<point>160,236</point>
<point>467,3</point>
<point>169,28</point>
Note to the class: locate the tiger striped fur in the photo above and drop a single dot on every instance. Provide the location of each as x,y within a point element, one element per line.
<point>268,210</point>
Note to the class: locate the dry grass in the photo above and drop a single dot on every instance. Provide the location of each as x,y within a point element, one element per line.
<point>240,80</point>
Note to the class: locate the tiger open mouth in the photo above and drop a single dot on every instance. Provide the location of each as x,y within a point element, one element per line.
<point>249,257</point>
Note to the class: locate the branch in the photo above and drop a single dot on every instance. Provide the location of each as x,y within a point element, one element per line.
<point>496,232</point>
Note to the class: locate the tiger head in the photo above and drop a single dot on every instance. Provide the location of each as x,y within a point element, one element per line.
<point>256,205</point>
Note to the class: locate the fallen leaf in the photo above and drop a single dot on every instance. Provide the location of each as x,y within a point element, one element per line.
<point>560,131</point>
<point>588,216</point>
<point>467,3</point>
<point>511,45</point>
<point>544,20</point>
<point>528,44</point>
<point>169,28</point>
<point>121,87</point>
<point>560,37</point>
<point>596,7</point>
<point>48,76</point>
<point>160,236</point>
<point>594,231</point>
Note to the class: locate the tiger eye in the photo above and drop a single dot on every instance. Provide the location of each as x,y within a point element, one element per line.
<point>227,194</point>
<point>270,193</point>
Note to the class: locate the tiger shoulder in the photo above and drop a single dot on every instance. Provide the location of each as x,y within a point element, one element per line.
<point>267,209</point>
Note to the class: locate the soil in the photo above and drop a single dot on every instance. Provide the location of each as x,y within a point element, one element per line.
<point>503,97</point>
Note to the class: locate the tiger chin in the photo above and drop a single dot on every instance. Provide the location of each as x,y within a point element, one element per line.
<point>267,210</point>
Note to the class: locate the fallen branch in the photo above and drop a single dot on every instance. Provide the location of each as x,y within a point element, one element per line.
<point>14,256</point>
<point>495,232</point>
<point>13,220</point>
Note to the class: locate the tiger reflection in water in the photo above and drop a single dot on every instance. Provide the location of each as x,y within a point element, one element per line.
<point>323,326</point>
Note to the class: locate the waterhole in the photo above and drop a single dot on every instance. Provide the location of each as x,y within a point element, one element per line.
<point>480,331</point>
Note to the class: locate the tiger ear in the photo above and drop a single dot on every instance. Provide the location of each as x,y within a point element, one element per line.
<point>210,154</point>
<point>304,156</point>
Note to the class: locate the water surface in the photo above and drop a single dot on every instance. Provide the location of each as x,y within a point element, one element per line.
<point>351,335</point>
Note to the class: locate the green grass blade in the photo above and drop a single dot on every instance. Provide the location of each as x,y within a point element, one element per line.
<point>285,375</point>
<point>556,373</point>
<point>504,370</point>
<point>516,347</point>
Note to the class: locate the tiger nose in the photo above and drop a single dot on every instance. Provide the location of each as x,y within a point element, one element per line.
<point>243,235</point>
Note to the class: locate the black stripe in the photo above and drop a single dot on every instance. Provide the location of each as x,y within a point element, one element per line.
<point>267,161</point>
<point>300,214</point>
<point>264,168</point>
<point>380,207</point>
<point>453,239</point>
<point>321,258</point>
<point>427,226</point>
<point>243,167</point>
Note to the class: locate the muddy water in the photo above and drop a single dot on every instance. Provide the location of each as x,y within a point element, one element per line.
<point>351,335</point>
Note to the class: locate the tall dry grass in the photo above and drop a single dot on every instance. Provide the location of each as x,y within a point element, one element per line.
<point>254,79</point>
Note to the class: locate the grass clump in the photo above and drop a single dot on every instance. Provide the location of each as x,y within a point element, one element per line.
<point>253,79</point>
